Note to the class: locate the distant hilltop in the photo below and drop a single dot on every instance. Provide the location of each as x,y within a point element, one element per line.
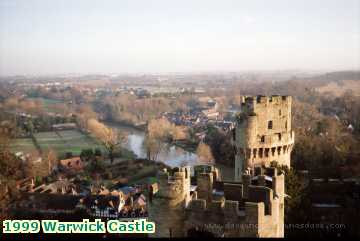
<point>339,75</point>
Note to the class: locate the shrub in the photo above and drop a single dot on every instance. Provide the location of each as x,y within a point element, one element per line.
<point>97,152</point>
<point>86,154</point>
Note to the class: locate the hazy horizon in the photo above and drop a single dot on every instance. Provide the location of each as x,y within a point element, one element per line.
<point>47,37</point>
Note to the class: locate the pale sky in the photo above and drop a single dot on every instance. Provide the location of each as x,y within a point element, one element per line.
<point>117,36</point>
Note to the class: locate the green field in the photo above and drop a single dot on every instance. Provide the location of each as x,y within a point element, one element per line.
<point>66,141</point>
<point>62,142</point>
<point>22,144</point>
<point>47,103</point>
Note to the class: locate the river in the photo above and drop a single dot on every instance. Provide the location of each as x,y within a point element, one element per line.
<point>172,156</point>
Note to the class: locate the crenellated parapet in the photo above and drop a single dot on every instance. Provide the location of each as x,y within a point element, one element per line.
<point>173,185</point>
<point>236,208</point>
<point>255,206</point>
<point>264,188</point>
<point>229,209</point>
<point>251,103</point>
<point>207,169</point>
<point>232,218</point>
<point>167,206</point>
<point>263,133</point>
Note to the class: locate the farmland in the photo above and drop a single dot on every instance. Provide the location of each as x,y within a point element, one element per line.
<point>65,141</point>
<point>23,145</point>
<point>48,104</point>
<point>61,142</point>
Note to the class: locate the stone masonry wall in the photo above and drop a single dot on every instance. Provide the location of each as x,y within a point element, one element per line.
<point>263,133</point>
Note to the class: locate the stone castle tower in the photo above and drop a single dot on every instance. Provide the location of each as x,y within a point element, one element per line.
<point>167,207</point>
<point>253,208</point>
<point>263,133</point>
<point>211,207</point>
<point>253,205</point>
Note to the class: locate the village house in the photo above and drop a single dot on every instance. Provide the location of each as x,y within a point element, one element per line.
<point>71,164</point>
<point>49,201</point>
<point>46,204</point>
<point>60,186</point>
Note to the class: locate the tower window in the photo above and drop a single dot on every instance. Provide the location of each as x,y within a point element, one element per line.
<point>267,152</point>
<point>273,151</point>
<point>279,112</point>
<point>270,125</point>
<point>279,135</point>
<point>262,138</point>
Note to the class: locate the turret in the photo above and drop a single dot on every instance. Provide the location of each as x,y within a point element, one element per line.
<point>263,133</point>
<point>167,205</point>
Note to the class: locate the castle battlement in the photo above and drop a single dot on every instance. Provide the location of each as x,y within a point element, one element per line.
<point>255,206</point>
<point>258,201</point>
<point>263,132</point>
<point>256,104</point>
<point>166,176</point>
<point>231,209</point>
<point>254,194</point>
<point>236,200</point>
<point>173,184</point>
<point>258,101</point>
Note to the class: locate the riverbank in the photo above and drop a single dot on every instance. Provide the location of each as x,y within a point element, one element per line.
<point>186,145</point>
<point>179,153</point>
<point>174,155</point>
<point>139,127</point>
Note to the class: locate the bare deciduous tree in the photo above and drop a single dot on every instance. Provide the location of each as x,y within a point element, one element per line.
<point>109,138</point>
<point>159,133</point>
<point>83,114</point>
<point>204,154</point>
